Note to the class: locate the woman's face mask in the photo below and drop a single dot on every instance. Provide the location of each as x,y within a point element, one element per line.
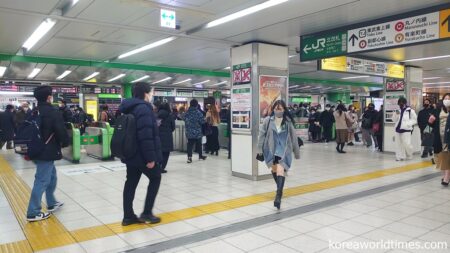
<point>447,102</point>
<point>279,114</point>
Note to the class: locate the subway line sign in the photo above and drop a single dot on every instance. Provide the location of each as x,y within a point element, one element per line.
<point>423,28</point>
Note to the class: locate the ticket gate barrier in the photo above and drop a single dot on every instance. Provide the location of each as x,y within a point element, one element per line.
<point>97,141</point>
<point>73,151</point>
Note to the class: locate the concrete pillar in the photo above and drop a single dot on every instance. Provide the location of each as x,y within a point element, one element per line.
<point>260,74</point>
<point>413,93</point>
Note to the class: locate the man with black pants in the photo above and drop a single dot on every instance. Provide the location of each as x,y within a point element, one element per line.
<point>422,121</point>
<point>194,119</point>
<point>54,134</point>
<point>147,158</point>
<point>326,121</point>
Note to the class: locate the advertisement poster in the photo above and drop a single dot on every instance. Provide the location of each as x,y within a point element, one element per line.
<point>242,73</point>
<point>241,108</point>
<point>395,85</point>
<point>271,89</point>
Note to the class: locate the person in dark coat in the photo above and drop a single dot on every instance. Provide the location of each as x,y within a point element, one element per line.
<point>65,111</point>
<point>7,127</point>
<point>194,120</point>
<point>368,119</point>
<point>326,121</point>
<point>54,134</point>
<point>314,124</point>
<point>422,121</point>
<point>23,113</point>
<point>440,124</point>
<point>228,118</point>
<point>146,160</point>
<point>379,135</point>
<point>166,128</point>
<point>80,119</point>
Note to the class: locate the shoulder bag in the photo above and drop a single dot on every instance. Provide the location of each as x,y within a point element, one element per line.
<point>260,157</point>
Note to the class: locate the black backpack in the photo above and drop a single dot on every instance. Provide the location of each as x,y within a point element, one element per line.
<point>28,140</point>
<point>124,142</point>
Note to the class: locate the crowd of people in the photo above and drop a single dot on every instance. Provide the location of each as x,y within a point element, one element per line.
<point>277,141</point>
<point>348,121</point>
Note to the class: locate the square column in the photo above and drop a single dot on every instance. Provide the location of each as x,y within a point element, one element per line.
<point>412,91</point>
<point>259,76</point>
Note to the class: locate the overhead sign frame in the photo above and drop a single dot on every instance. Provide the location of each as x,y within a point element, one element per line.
<point>347,64</point>
<point>168,18</point>
<point>442,24</point>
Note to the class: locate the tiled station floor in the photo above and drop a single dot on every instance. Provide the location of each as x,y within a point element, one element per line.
<point>203,196</point>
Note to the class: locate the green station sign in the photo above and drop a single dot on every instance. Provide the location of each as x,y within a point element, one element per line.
<point>314,47</point>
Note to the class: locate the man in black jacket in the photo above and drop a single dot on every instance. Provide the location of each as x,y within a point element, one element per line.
<point>146,160</point>
<point>326,121</point>
<point>55,136</point>
<point>65,111</point>
<point>7,127</point>
<point>422,121</point>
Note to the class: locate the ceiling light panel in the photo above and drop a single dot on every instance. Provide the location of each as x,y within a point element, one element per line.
<point>2,70</point>
<point>162,80</point>
<point>184,81</point>
<point>140,79</point>
<point>40,32</point>
<point>245,12</point>
<point>34,73</point>
<point>115,78</point>
<point>147,47</point>
<point>64,74</point>
<point>91,76</point>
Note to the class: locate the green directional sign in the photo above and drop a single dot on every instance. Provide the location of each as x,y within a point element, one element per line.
<point>168,18</point>
<point>313,47</point>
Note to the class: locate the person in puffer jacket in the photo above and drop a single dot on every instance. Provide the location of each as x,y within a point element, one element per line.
<point>404,119</point>
<point>194,119</point>
<point>146,160</point>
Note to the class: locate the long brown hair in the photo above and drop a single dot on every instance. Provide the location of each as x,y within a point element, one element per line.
<point>214,113</point>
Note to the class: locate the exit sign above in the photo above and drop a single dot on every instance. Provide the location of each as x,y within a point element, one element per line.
<point>168,19</point>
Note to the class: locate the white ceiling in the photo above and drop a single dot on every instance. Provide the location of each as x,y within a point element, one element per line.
<point>103,29</point>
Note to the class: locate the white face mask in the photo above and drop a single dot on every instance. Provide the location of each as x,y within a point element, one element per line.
<point>447,103</point>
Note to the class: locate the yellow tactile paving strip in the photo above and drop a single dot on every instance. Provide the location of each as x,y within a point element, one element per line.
<point>51,233</point>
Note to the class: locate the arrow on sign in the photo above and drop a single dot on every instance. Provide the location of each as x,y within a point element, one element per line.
<point>306,49</point>
<point>447,20</point>
<point>353,38</point>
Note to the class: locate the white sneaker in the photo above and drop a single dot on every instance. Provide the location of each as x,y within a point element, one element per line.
<point>39,217</point>
<point>55,207</point>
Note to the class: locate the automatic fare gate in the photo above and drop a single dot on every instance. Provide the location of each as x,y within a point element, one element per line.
<point>97,140</point>
<point>72,152</point>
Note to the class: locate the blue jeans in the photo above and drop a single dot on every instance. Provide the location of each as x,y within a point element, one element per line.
<point>44,181</point>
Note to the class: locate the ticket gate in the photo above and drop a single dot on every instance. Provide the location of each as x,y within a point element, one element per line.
<point>179,137</point>
<point>97,140</point>
<point>73,151</point>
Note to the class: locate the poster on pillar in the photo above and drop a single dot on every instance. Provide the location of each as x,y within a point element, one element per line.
<point>415,95</point>
<point>271,89</point>
<point>241,108</point>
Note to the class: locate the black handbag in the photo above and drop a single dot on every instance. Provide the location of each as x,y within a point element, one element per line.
<point>260,157</point>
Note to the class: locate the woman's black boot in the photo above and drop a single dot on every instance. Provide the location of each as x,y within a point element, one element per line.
<point>274,174</point>
<point>280,186</point>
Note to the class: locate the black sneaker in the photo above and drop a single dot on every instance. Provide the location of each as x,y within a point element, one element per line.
<point>163,171</point>
<point>39,217</point>
<point>202,158</point>
<point>150,219</point>
<point>55,207</point>
<point>350,144</point>
<point>189,160</point>
<point>135,220</point>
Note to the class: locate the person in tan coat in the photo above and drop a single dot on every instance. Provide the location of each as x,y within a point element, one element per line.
<point>343,122</point>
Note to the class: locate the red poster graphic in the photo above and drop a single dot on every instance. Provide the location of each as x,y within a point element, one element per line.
<point>246,76</point>
<point>237,76</point>
<point>271,89</point>
<point>393,85</point>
